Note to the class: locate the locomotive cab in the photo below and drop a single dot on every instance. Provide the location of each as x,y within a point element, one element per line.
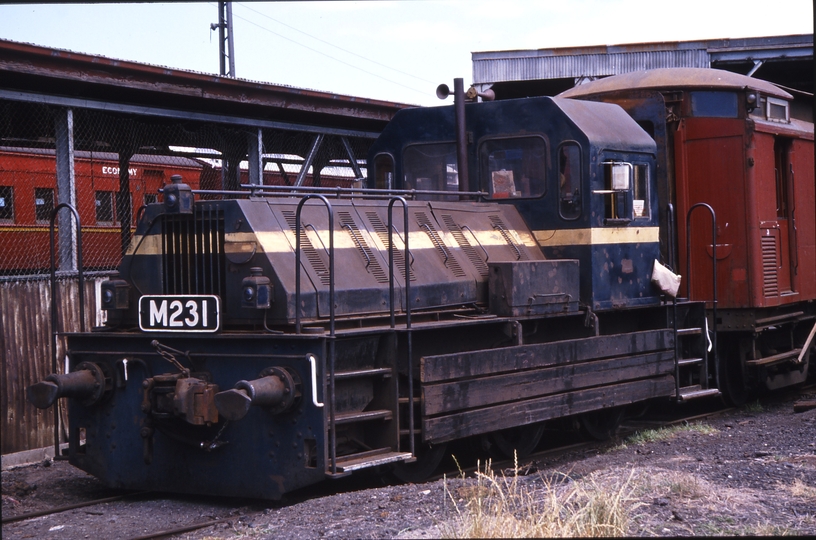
<point>581,174</point>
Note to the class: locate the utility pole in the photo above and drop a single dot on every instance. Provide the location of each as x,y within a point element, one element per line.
<point>226,47</point>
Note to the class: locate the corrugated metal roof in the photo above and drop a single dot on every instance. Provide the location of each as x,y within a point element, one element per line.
<point>604,60</point>
<point>583,65</point>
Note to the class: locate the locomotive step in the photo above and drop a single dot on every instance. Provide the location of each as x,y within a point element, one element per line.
<point>781,357</point>
<point>372,372</point>
<point>689,331</point>
<point>372,458</point>
<point>689,361</point>
<point>694,392</point>
<point>347,418</point>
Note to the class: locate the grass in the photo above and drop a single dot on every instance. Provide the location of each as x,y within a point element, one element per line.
<point>498,506</point>
<point>666,433</point>
<point>755,407</point>
<point>800,489</point>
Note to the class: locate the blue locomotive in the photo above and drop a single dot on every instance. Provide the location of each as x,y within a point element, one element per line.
<point>495,274</point>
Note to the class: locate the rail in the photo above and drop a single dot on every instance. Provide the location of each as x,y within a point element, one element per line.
<point>407,307</point>
<point>714,281</point>
<point>332,401</point>
<point>255,190</point>
<point>81,287</point>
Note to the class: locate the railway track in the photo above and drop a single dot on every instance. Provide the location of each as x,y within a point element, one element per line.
<point>216,513</point>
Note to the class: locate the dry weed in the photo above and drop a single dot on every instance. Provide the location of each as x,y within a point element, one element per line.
<point>498,506</point>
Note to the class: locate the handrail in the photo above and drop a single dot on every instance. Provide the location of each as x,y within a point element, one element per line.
<point>507,239</point>
<point>359,244</point>
<point>332,422</point>
<point>466,228</point>
<point>254,189</point>
<point>714,272</point>
<point>672,256</point>
<point>437,242</point>
<point>81,286</point>
<point>407,308</point>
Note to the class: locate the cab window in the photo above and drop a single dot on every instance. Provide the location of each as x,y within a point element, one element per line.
<point>431,167</point>
<point>626,192</point>
<point>384,171</point>
<point>569,181</point>
<point>513,167</point>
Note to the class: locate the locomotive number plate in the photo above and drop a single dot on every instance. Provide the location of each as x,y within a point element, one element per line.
<point>191,313</point>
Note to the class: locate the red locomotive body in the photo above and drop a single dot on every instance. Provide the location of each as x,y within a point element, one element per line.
<point>728,141</point>
<point>28,195</point>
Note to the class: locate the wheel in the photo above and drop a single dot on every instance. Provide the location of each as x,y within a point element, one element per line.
<point>602,424</point>
<point>428,459</point>
<point>518,441</point>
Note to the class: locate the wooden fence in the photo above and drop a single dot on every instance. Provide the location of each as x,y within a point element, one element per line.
<point>25,341</point>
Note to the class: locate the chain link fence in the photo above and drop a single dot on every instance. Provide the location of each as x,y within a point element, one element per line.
<point>120,162</point>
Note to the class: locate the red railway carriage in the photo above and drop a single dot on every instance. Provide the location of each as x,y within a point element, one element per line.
<point>728,141</point>
<point>758,176</point>
<point>28,195</point>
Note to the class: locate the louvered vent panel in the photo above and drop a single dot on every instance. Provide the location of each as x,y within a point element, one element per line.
<point>770,282</point>
<point>382,232</point>
<point>462,240</point>
<point>499,225</point>
<point>347,223</point>
<point>193,252</point>
<point>447,257</point>
<point>308,249</point>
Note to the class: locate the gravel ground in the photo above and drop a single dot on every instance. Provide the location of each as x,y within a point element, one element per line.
<point>750,471</point>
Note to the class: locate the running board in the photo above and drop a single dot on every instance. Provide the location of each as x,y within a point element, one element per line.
<point>688,393</point>
<point>372,458</point>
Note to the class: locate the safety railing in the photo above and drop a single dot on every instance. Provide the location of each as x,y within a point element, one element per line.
<point>81,287</point>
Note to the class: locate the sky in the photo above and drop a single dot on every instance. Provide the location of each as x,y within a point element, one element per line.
<point>396,51</point>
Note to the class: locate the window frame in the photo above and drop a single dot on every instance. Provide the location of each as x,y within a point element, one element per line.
<point>454,194</point>
<point>111,198</point>
<point>47,219</point>
<point>9,197</point>
<point>485,180</point>
<point>579,197</point>
<point>389,185</point>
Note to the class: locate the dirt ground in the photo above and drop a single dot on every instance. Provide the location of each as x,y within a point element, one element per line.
<point>748,471</point>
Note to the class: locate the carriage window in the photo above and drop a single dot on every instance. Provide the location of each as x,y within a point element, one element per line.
<point>104,207</point>
<point>431,167</point>
<point>569,181</point>
<point>513,167</point>
<point>777,110</point>
<point>384,171</point>
<point>43,203</point>
<point>6,203</point>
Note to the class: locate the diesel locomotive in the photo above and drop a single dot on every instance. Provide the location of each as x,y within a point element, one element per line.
<point>505,266</point>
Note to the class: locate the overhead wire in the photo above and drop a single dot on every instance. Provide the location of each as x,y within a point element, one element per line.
<point>335,46</point>
<point>328,55</point>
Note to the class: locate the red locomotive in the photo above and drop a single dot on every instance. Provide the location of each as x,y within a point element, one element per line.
<point>728,141</point>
